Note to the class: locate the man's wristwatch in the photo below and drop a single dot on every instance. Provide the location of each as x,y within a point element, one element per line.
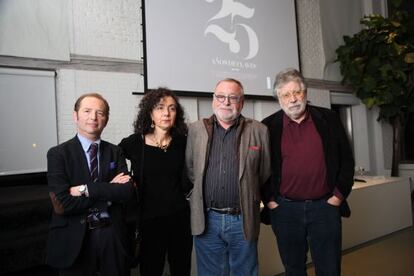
<point>82,189</point>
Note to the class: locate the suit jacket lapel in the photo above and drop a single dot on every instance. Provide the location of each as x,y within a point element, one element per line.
<point>84,167</point>
<point>276,135</point>
<point>244,134</point>
<point>104,160</point>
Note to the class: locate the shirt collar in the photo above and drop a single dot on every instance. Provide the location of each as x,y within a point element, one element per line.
<point>288,121</point>
<point>86,143</point>
<point>235,125</point>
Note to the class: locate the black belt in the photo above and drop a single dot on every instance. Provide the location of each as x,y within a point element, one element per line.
<point>226,211</point>
<point>304,200</point>
<point>98,219</point>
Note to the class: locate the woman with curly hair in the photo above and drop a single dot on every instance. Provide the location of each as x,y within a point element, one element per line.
<point>157,151</point>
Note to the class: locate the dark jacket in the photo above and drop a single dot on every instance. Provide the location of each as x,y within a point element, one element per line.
<point>67,167</point>
<point>133,145</point>
<point>338,154</point>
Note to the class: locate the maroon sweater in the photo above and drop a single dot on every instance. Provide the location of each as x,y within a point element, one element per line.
<point>303,161</point>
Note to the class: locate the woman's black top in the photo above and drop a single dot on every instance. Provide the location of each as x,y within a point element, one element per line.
<point>158,175</point>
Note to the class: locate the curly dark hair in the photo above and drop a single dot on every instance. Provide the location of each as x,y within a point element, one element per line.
<point>142,124</point>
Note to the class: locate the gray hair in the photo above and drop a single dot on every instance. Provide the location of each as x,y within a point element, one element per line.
<point>234,81</point>
<point>285,76</point>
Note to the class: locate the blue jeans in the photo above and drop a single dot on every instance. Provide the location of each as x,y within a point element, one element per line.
<point>222,250</point>
<point>314,224</point>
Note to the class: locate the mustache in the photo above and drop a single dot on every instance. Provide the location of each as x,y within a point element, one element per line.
<point>225,108</point>
<point>295,106</point>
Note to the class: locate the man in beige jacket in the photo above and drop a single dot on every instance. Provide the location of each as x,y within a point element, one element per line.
<point>228,162</point>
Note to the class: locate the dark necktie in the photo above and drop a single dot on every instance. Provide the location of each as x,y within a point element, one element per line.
<point>93,157</point>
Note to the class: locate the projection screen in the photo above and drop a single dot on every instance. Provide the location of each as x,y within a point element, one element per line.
<point>190,45</point>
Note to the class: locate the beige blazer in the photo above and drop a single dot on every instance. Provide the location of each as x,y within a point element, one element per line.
<point>254,170</point>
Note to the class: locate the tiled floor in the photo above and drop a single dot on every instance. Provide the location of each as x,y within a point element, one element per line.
<point>392,255</point>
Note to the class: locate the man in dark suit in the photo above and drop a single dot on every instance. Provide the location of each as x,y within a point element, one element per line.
<point>88,186</point>
<point>312,174</point>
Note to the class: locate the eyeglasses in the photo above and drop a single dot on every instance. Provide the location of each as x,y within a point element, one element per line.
<point>231,98</point>
<point>287,95</point>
